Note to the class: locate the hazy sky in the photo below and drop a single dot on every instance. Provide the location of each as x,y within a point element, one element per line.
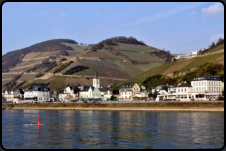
<point>177,27</point>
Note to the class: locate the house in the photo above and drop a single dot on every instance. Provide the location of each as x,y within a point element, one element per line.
<point>171,96</point>
<point>206,87</point>
<point>184,91</point>
<point>85,93</point>
<point>139,92</point>
<point>37,93</point>
<point>125,92</point>
<point>8,96</point>
<point>69,93</point>
<point>107,93</point>
<point>162,94</point>
<point>12,95</point>
<point>96,94</point>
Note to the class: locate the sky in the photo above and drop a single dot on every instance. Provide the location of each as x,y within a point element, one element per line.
<point>177,27</point>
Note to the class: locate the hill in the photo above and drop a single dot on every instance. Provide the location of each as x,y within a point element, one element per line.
<point>12,58</point>
<point>117,60</point>
<point>174,72</point>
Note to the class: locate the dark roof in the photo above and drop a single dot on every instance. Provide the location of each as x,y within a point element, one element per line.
<point>129,84</point>
<point>35,87</point>
<point>184,84</point>
<point>207,77</point>
<point>164,88</point>
<point>76,89</point>
<point>103,89</point>
<point>86,88</point>
<point>96,76</point>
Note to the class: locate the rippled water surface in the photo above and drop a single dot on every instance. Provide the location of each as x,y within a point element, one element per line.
<point>111,129</point>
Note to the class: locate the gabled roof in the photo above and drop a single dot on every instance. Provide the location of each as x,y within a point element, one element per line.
<point>129,85</point>
<point>185,84</point>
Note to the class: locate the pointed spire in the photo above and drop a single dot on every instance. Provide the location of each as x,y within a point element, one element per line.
<point>96,77</point>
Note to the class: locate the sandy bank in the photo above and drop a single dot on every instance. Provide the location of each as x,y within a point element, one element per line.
<point>163,106</point>
<point>128,108</point>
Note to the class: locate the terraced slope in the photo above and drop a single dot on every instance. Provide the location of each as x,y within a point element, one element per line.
<point>175,66</point>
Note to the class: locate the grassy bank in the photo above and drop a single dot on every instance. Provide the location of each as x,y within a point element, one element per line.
<point>180,106</point>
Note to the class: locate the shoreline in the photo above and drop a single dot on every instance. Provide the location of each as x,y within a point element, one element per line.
<point>163,106</point>
<point>219,109</point>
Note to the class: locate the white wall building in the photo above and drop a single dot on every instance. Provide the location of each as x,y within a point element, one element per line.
<point>206,87</point>
<point>37,93</point>
<point>184,91</point>
<point>125,92</point>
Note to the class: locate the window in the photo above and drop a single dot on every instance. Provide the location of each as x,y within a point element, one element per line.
<point>209,83</point>
<point>97,81</point>
<point>209,89</point>
<point>194,83</point>
<point>125,93</point>
<point>181,90</point>
<point>185,90</point>
<point>178,90</point>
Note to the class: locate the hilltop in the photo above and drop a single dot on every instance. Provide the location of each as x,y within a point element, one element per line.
<point>116,60</point>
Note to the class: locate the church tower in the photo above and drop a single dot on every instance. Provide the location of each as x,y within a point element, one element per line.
<point>96,81</point>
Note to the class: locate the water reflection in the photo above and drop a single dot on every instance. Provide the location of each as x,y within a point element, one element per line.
<point>113,129</point>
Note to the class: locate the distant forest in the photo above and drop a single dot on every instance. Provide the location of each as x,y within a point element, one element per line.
<point>50,45</point>
<point>116,40</point>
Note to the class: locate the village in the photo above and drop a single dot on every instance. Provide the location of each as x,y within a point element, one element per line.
<point>204,88</point>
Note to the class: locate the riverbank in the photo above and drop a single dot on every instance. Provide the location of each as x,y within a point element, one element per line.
<point>154,106</point>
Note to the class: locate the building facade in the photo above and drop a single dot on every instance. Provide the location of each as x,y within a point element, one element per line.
<point>37,93</point>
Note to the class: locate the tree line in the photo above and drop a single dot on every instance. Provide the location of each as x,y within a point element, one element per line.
<point>116,40</point>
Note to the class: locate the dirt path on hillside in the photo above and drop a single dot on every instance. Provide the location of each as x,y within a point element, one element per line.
<point>177,66</point>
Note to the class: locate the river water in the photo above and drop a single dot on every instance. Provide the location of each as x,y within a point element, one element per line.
<point>65,129</point>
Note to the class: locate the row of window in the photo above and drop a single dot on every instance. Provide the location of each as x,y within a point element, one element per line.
<point>125,93</point>
<point>204,83</point>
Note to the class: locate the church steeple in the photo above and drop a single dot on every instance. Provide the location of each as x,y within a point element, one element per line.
<point>96,81</point>
<point>96,76</point>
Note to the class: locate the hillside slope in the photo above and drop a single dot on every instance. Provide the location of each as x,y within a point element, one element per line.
<point>170,69</point>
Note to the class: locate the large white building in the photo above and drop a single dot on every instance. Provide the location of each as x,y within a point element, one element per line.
<point>200,88</point>
<point>37,93</point>
<point>206,87</point>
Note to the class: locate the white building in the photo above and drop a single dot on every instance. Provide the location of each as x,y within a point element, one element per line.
<point>206,87</point>
<point>69,93</point>
<point>125,92</point>
<point>37,93</point>
<point>184,91</point>
<point>96,81</point>
<point>171,96</point>
<point>162,94</point>
<point>86,93</point>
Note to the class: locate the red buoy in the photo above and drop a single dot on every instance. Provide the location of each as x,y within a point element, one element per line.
<point>39,121</point>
